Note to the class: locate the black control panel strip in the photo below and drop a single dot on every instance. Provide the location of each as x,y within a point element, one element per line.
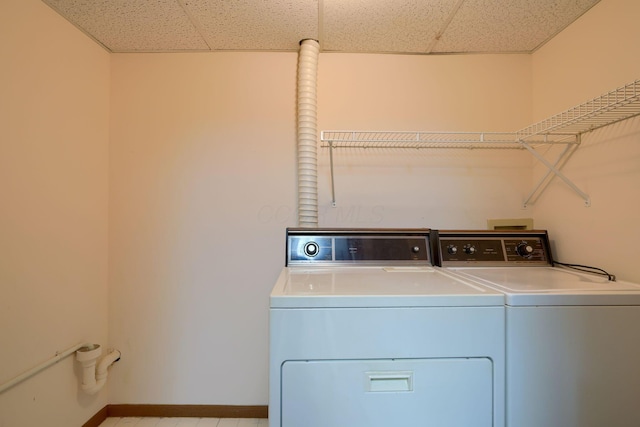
<point>358,246</point>
<point>368,246</point>
<point>493,248</point>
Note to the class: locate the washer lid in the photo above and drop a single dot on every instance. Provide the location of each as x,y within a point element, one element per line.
<point>326,287</point>
<point>525,286</point>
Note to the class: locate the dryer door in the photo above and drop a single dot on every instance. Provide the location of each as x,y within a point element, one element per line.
<point>380,393</point>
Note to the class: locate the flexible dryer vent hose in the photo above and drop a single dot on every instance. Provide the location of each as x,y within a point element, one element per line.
<point>307,134</point>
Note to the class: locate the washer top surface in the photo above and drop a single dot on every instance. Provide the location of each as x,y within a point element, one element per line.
<point>519,264</point>
<point>552,286</point>
<point>379,286</point>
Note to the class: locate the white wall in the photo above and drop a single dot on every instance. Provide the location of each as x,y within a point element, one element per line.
<point>54,100</point>
<point>596,54</point>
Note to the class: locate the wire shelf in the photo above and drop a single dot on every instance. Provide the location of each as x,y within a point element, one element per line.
<point>421,140</point>
<point>619,104</point>
<point>564,129</point>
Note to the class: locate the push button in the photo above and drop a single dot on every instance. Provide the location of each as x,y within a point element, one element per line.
<point>311,249</point>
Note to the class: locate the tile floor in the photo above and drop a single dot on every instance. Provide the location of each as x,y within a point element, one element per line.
<point>184,422</point>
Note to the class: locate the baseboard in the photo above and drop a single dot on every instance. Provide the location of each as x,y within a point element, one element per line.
<point>198,411</point>
<point>98,418</point>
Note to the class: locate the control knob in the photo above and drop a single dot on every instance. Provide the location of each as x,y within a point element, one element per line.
<point>469,249</point>
<point>524,249</point>
<point>452,249</point>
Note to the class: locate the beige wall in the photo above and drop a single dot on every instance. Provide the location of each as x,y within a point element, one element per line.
<point>54,100</point>
<point>188,161</point>
<point>202,186</point>
<point>596,54</point>
<point>423,188</point>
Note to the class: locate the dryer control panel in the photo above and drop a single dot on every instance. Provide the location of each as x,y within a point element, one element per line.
<point>493,248</point>
<point>358,246</point>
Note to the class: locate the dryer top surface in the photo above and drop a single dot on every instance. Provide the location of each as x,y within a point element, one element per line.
<point>375,287</point>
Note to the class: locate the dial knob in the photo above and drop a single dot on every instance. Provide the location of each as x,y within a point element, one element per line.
<point>524,249</point>
<point>415,249</point>
<point>469,249</point>
<point>452,249</point>
<point>311,249</point>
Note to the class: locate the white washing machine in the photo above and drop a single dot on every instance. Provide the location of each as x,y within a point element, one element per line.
<point>364,332</point>
<point>572,338</point>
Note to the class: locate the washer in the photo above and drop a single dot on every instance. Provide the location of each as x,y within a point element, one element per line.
<point>572,338</point>
<point>365,332</point>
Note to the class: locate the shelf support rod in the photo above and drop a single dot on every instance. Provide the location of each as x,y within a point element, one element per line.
<point>333,188</point>
<point>556,172</point>
<point>545,181</point>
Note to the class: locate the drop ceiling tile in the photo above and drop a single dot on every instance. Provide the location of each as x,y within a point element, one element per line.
<point>508,25</point>
<point>255,25</point>
<point>408,26</point>
<point>128,25</point>
<point>396,26</point>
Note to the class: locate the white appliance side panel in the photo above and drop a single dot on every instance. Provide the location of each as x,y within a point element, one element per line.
<point>573,366</point>
<point>382,393</point>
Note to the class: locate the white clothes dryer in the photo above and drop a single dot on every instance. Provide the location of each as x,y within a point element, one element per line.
<point>572,338</point>
<point>365,332</point>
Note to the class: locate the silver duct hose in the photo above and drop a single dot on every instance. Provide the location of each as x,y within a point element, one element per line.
<point>307,134</point>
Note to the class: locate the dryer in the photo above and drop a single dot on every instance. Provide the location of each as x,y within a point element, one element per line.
<point>365,332</point>
<point>572,338</point>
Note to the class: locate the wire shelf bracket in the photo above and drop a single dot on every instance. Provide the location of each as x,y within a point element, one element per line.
<point>563,129</point>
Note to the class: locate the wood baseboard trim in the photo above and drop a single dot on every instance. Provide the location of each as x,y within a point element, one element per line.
<point>98,418</point>
<point>197,411</point>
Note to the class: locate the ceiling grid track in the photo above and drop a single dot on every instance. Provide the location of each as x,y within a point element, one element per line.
<point>444,26</point>
<point>320,37</point>
<point>195,22</point>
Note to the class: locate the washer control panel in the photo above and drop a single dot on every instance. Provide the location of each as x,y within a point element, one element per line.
<point>358,246</point>
<point>494,248</point>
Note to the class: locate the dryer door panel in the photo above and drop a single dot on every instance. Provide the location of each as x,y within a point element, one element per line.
<point>377,393</point>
